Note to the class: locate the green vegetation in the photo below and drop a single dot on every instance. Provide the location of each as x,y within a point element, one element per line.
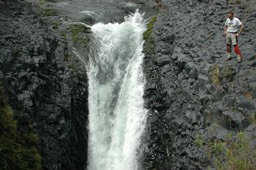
<point>234,1</point>
<point>234,153</point>
<point>44,1</point>
<point>41,2</point>
<point>79,35</point>
<point>56,24</point>
<point>228,72</point>
<point>147,34</point>
<point>17,150</point>
<point>199,140</point>
<point>49,12</point>
<point>253,118</point>
<point>215,75</point>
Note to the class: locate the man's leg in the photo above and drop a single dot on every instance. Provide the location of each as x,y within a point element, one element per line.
<point>238,52</point>
<point>228,47</point>
<point>236,48</point>
<point>228,50</point>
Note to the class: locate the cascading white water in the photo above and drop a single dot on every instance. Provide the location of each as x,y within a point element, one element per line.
<point>117,117</point>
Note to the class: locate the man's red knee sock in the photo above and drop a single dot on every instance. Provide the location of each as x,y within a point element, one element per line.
<point>236,48</point>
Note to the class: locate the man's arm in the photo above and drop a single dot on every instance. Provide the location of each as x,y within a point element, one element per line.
<point>225,29</point>
<point>241,29</point>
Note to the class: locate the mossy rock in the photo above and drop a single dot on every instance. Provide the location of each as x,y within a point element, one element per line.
<point>56,24</point>
<point>49,12</point>
<point>44,1</point>
<point>233,1</point>
<point>147,34</point>
<point>17,150</point>
<point>79,35</point>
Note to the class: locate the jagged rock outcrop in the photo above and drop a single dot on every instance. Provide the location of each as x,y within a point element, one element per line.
<point>190,88</point>
<point>45,84</point>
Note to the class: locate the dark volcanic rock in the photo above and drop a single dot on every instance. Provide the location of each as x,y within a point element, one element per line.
<point>48,95</point>
<point>196,89</point>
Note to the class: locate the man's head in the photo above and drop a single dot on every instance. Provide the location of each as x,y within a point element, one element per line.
<point>230,15</point>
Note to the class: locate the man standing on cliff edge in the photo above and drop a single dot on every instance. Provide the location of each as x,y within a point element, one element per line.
<point>233,28</point>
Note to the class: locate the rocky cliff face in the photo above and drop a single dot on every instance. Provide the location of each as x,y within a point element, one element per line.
<point>45,86</point>
<point>43,79</point>
<point>194,97</point>
<point>191,91</point>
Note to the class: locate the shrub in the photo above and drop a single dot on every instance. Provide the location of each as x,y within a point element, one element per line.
<point>234,153</point>
<point>228,72</point>
<point>215,75</point>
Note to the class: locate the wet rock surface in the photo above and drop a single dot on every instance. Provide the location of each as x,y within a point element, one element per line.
<point>46,85</point>
<point>190,87</point>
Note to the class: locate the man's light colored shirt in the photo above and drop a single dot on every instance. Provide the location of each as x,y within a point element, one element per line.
<point>233,25</point>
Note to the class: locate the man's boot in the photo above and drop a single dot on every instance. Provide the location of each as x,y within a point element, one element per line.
<point>239,58</point>
<point>228,57</point>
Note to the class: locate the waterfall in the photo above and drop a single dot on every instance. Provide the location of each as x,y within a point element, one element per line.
<point>117,117</point>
